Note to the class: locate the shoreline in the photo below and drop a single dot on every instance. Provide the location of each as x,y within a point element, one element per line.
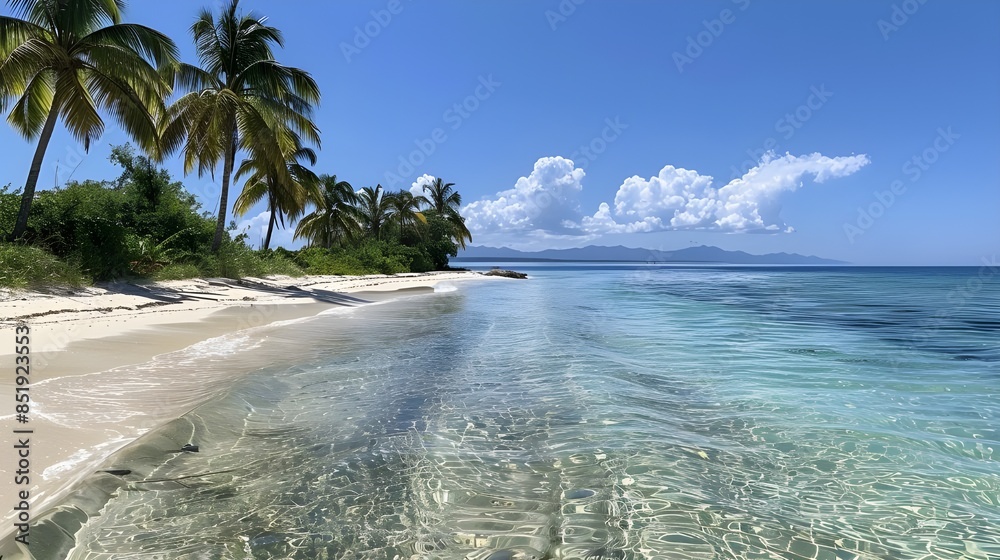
<point>95,370</point>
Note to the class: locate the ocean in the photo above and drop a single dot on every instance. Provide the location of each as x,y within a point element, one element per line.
<point>593,412</point>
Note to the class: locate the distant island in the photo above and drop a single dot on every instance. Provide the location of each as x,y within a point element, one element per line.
<point>596,253</point>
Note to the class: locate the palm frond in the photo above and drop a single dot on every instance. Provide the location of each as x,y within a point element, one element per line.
<point>78,17</point>
<point>30,111</point>
<point>148,43</point>
<point>253,192</point>
<point>14,32</point>
<point>192,78</point>
<point>131,108</point>
<point>21,64</point>
<point>78,107</point>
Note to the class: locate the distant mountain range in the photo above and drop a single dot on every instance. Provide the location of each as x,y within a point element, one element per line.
<point>700,254</point>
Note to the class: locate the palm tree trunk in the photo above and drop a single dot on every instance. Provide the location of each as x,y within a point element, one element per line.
<point>227,172</point>
<point>328,234</point>
<point>36,167</point>
<point>270,222</point>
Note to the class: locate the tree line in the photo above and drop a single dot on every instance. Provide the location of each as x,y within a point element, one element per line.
<point>74,61</point>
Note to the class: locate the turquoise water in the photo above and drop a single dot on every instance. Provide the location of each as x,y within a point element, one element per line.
<point>592,412</point>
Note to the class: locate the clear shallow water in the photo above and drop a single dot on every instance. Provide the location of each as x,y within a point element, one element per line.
<point>607,412</point>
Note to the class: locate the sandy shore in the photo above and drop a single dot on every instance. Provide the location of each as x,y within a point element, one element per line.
<point>96,385</point>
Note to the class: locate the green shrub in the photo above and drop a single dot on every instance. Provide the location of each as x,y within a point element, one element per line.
<point>235,260</point>
<point>10,203</point>
<point>338,262</point>
<point>436,244</point>
<point>420,261</point>
<point>83,223</point>
<point>370,257</point>
<point>380,257</point>
<point>135,225</point>
<point>23,266</point>
<point>275,265</point>
<point>146,257</point>
<point>177,272</point>
<point>156,208</point>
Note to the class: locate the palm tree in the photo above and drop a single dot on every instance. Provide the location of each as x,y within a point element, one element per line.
<point>406,211</point>
<point>241,98</point>
<point>287,188</point>
<point>375,209</point>
<point>71,59</point>
<point>335,219</point>
<point>446,201</point>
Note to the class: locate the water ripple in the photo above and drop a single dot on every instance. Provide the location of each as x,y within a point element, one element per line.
<point>615,415</point>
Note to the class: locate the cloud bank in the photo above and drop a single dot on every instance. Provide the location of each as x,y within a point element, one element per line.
<point>546,202</point>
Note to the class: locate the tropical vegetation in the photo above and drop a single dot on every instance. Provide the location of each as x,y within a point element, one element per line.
<point>240,98</point>
<point>66,60</point>
<point>76,62</point>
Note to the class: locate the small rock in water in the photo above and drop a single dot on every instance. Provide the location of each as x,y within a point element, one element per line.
<point>507,274</point>
<point>118,472</point>
<point>501,555</point>
<point>190,448</point>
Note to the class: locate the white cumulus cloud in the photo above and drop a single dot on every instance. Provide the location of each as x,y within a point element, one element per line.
<point>546,200</point>
<point>679,198</point>
<point>604,222</point>
<point>417,188</point>
<point>545,204</point>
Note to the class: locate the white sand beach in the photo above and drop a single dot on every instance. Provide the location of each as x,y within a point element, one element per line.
<point>96,385</point>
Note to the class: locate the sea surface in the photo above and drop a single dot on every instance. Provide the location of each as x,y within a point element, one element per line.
<point>591,412</point>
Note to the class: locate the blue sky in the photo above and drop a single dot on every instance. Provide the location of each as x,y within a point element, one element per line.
<point>674,103</point>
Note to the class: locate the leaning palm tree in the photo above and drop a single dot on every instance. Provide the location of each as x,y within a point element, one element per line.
<point>240,98</point>
<point>445,201</point>
<point>287,188</point>
<point>71,59</point>
<point>335,218</point>
<point>375,209</point>
<point>406,211</point>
